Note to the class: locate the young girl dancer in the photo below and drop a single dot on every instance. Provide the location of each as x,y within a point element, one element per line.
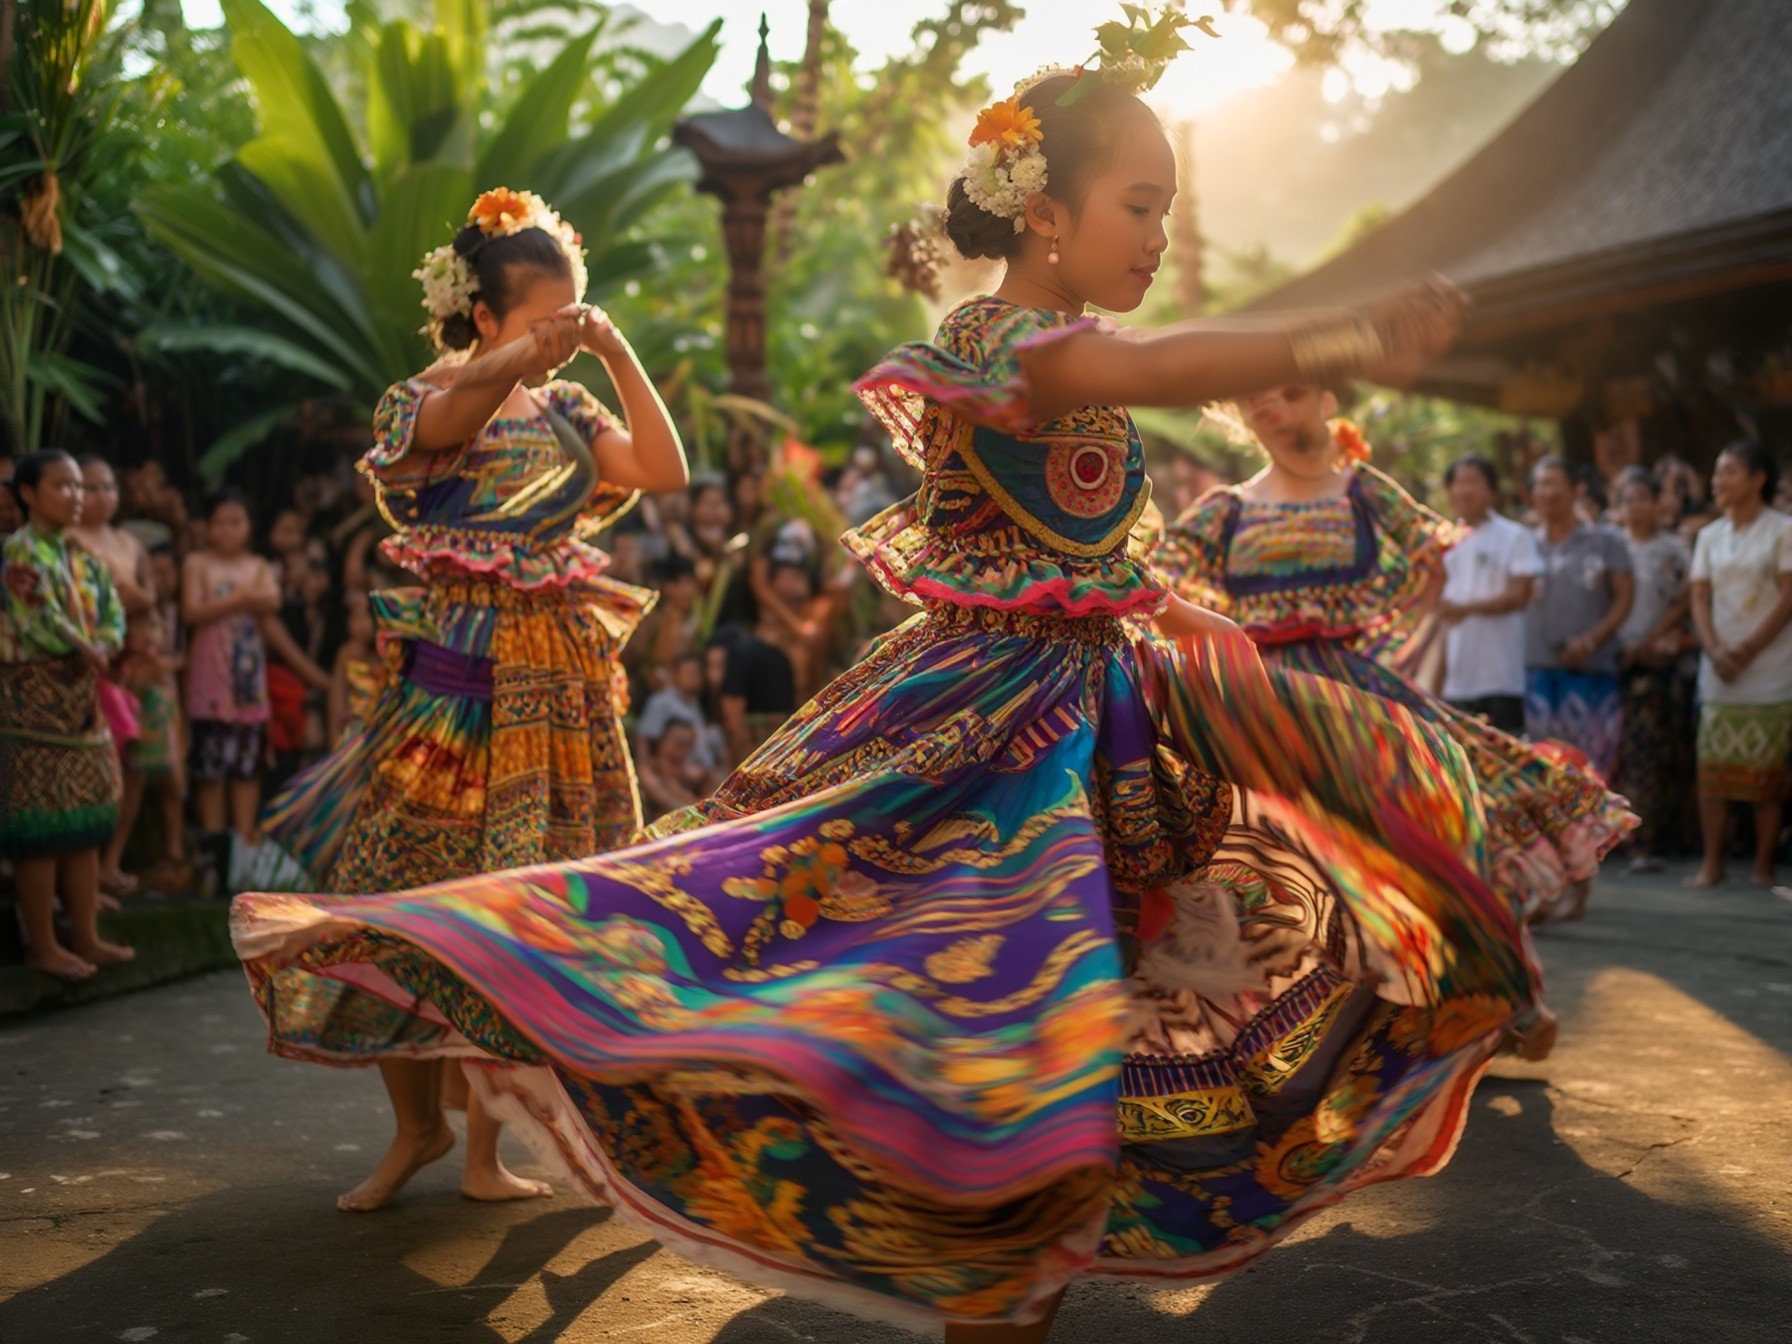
<point>1324,561</point>
<point>500,742</point>
<point>861,1025</point>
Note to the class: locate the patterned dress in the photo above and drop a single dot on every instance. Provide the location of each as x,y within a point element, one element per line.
<point>1330,587</point>
<point>1033,946</point>
<point>60,780</point>
<point>496,740</point>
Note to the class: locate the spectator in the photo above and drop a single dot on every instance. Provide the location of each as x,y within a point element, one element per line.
<point>1741,603</point>
<point>225,591</point>
<point>670,779</point>
<point>164,576</point>
<point>156,511</point>
<point>1571,630</point>
<point>12,517</point>
<point>1651,641</point>
<point>286,538</point>
<point>152,760</point>
<point>710,532</point>
<point>59,773</point>
<point>357,674</point>
<point>127,561</point>
<point>864,490</point>
<point>681,701</point>
<point>759,691</point>
<point>297,640</point>
<point>671,627</point>
<point>1490,577</point>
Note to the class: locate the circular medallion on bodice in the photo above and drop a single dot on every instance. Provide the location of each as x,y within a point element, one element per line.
<point>1086,480</point>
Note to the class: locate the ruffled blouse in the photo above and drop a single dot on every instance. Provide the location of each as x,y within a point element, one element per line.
<point>1011,513</point>
<point>1349,568</point>
<point>509,505</point>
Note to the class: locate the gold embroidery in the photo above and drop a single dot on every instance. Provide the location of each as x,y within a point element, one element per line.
<point>1018,512</point>
<point>966,960</point>
<point>1185,1115</point>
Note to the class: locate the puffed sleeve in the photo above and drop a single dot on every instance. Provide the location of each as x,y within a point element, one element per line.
<point>1192,555</point>
<point>580,407</point>
<point>975,370</point>
<point>391,461</point>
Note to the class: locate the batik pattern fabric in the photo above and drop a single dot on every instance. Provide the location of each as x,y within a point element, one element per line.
<point>1744,751</point>
<point>1033,946</point>
<point>1654,765</point>
<point>60,778</point>
<point>494,737</point>
<point>1581,710</point>
<point>1329,588</point>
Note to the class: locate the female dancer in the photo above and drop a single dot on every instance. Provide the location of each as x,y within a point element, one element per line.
<point>1324,561</point>
<point>859,1025</point>
<point>59,771</point>
<point>498,742</point>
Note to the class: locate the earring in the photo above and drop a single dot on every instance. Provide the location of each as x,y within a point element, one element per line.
<point>1051,257</point>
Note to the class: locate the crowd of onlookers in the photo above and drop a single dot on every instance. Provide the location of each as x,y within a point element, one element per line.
<point>1580,619</point>
<point>1646,624</point>
<point>251,635</point>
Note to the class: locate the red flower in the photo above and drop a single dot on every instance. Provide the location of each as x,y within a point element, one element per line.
<point>1351,442</point>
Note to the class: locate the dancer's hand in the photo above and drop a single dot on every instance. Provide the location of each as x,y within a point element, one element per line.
<point>598,334</point>
<point>556,338</point>
<point>1418,322</point>
<point>1183,620</point>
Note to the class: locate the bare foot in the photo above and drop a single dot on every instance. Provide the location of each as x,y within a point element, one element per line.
<point>494,1187</point>
<point>403,1160</point>
<point>1704,878</point>
<point>59,962</point>
<point>1766,879</point>
<point>109,903</point>
<point>102,953</point>
<point>117,882</point>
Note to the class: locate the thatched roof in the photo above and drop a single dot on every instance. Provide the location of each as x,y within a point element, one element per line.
<point>1656,169</point>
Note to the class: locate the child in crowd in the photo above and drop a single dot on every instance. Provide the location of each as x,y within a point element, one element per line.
<point>357,674</point>
<point>148,669</point>
<point>225,591</point>
<point>670,779</point>
<point>681,701</point>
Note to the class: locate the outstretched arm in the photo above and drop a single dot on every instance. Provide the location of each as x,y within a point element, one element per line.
<point>1389,340</point>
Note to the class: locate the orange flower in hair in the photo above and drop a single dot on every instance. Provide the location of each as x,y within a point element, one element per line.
<point>1009,126</point>
<point>500,211</point>
<point>1351,442</point>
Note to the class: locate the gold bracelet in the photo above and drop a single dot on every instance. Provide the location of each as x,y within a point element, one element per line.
<point>1336,346</point>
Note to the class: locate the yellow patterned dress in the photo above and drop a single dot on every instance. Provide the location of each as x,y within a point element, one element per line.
<point>1033,946</point>
<point>496,739</point>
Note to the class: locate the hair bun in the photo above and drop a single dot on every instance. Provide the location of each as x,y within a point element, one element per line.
<point>974,231</point>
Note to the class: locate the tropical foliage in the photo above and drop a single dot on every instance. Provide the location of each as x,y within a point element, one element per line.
<point>318,221</point>
<point>59,90</point>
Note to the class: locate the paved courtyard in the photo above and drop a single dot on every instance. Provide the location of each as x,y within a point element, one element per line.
<point>161,1178</point>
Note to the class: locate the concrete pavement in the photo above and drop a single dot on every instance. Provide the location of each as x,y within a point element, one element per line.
<point>161,1178</point>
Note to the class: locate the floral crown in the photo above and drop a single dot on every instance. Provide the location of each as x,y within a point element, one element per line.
<point>449,285</point>
<point>1007,161</point>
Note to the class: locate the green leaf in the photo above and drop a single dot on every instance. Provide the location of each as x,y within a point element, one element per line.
<point>306,143</point>
<point>249,342</point>
<point>224,452</point>
<point>422,207</point>
<point>660,95</point>
<point>539,117</point>
<point>80,385</point>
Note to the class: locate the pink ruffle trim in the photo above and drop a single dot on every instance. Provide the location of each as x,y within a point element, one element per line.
<point>566,564</point>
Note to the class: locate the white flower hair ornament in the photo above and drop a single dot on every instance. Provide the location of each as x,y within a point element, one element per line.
<point>448,281</point>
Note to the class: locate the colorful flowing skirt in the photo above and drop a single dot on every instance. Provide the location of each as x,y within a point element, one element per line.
<point>1583,710</point>
<point>60,779</point>
<point>496,741</point>
<point>1549,821</point>
<point>1743,752</point>
<point>1029,948</point>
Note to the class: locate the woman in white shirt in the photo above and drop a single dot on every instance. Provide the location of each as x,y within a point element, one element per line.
<point>1741,606</point>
